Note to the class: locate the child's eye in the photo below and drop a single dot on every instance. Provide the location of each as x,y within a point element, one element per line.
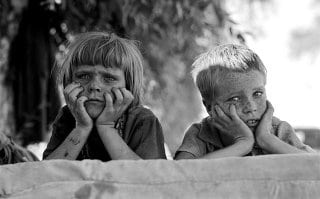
<point>83,76</point>
<point>234,99</point>
<point>109,79</point>
<point>258,93</point>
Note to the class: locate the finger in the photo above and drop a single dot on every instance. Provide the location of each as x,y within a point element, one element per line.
<point>212,112</point>
<point>118,95</point>
<point>270,110</point>
<point>73,95</point>
<point>108,99</point>
<point>269,105</point>
<point>80,102</point>
<point>68,90</point>
<point>215,122</point>
<point>217,125</point>
<point>70,87</point>
<point>233,112</point>
<point>218,121</point>
<point>221,114</point>
<point>268,114</point>
<point>127,96</point>
<point>216,118</point>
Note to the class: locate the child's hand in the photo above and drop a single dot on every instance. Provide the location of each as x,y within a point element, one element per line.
<point>265,124</point>
<point>76,105</point>
<point>114,108</point>
<point>232,126</point>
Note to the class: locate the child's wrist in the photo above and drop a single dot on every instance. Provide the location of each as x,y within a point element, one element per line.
<point>247,145</point>
<point>84,128</point>
<point>107,124</point>
<point>248,141</point>
<point>263,139</point>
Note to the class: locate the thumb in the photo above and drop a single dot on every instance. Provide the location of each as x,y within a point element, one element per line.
<point>233,112</point>
<point>81,100</point>
<point>270,109</point>
<point>108,100</point>
<point>268,114</point>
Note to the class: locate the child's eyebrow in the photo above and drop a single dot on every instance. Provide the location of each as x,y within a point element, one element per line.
<point>103,73</point>
<point>233,93</point>
<point>260,88</point>
<point>106,74</point>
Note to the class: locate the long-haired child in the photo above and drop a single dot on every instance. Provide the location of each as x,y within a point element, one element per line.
<point>102,77</point>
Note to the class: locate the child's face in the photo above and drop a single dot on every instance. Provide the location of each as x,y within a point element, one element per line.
<point>97,80</point>
<point>246,91</point>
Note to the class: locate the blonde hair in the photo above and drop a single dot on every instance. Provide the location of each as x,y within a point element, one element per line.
<point>108,50</point>
<point>210,66</point>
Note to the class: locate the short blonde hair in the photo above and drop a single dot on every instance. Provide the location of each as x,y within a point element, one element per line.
<point>108,50</point>
<point>211,65</point>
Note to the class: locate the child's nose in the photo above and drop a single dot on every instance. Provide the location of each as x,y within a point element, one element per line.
<point>95,86</point>
<point>250,106</point>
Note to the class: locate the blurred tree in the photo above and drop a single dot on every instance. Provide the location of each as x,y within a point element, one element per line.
<point>10,15</point>
<point>172,34</point>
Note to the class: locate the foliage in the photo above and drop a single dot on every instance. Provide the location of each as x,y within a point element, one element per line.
<point>171,34</point>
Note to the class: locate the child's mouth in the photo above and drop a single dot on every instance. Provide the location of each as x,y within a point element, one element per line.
<point>252,123</point>
<point>94,101</point>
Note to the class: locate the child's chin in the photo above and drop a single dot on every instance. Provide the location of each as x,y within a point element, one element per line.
<point>253,128</point>
<point>94,112</point>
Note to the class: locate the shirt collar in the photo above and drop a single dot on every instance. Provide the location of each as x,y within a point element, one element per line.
<point>209,134</point>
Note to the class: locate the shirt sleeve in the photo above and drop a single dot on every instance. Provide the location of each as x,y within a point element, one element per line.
<point>287,134</point>
<point>61,128</point>
<point>151,145</point>
<point>192,144</point>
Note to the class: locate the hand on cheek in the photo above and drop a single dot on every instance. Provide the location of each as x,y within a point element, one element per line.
<point>114,108</point>
<point>230,125</point>
<point>265,124</point>
<point>76,105</point>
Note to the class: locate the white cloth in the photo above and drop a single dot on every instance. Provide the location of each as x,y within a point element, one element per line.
<point>268,176</point>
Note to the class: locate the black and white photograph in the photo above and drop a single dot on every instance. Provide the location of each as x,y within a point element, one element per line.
<point>159,99</point>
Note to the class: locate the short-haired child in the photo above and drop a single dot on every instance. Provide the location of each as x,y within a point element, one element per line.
<point>231,79</point>
<point>102,77</point>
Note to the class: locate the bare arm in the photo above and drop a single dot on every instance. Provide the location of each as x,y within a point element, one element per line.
<point>274,145</point>
<point>238,149</point>
<point>114,144</point>
<point>268,141</point>
<point>235,129</point>
<point>112,141</point>
<point>231,127</point>
<point>71,146</point>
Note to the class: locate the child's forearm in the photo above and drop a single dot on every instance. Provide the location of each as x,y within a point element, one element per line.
<point>274,145</point>
<point>72,145</point>
<point>238,149</point>
<point>114,144</point>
